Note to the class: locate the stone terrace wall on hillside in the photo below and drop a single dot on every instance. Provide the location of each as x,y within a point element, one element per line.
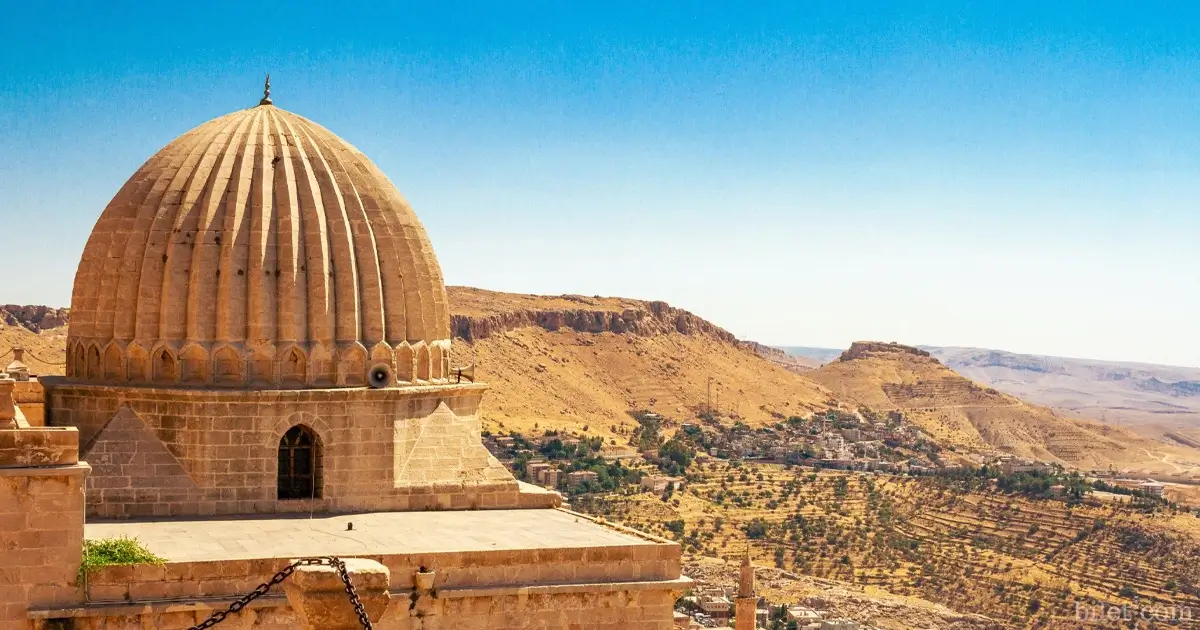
<point>937,390</point>
<point>648,319</point>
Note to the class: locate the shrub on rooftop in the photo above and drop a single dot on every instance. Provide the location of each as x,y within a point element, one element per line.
<point>122,551</point>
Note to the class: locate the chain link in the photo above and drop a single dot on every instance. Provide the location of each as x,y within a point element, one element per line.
<point>55,363</point>
<point>36,357</point>
<point>340,567</point>
<point>283,574</point>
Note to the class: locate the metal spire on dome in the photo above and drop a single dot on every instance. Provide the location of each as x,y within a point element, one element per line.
<point>266,99</point>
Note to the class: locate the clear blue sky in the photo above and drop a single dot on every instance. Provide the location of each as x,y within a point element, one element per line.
<point>1017,175</point>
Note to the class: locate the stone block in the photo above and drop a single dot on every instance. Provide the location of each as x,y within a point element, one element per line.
<point>8,409</point>
<point>319,597</point>
<point>35,447</point>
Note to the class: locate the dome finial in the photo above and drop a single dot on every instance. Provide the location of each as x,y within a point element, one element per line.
<point>266,99</point>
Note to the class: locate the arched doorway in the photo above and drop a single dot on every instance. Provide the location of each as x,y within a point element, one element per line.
<point>299,464</point>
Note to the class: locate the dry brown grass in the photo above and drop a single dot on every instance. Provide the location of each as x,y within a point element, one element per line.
<point>45,351</point>
<point>570,380</point>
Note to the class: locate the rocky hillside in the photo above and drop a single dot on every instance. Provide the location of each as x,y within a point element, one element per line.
<point>841,599</point>
<point>33,318</point>
<point>479,314</point>
<point>583,363</point>
<point>41,330</point>
<point>973,417</point>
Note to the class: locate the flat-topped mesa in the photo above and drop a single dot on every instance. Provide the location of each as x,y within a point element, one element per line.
<point>574,312</point>
<point>480,314</point>
<point>863,349</point>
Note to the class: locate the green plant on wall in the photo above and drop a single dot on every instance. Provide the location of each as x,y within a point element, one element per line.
<point>107,552</point>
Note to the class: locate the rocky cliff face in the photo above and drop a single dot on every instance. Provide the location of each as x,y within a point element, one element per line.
<point>33,318</point>
<point>645,319</point>
<point>1177,388</point>
<point>863,349</point>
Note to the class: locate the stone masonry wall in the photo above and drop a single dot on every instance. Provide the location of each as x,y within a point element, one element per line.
<point>586,607</point>
<point>173,452</point>
<point>28,395</point>
<point>615,588</point>
<point>41,521</point>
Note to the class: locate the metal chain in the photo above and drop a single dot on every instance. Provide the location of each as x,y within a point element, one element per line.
<point>45,361</point>
<point>340,567</point>
<point>30,353</point>
<point>283,574</point>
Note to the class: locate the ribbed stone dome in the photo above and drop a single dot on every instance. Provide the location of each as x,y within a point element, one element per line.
<point>258,250</point>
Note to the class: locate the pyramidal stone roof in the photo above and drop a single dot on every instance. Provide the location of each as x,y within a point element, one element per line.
<point>258,249</point>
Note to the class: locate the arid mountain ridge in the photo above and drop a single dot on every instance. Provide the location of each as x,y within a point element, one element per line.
<point>973,417</point>
<point>582,363</point>
<point>1129,393</point>
<point>479,314</point>
<point>1159,401</point>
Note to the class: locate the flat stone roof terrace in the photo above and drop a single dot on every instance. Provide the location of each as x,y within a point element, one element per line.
<point>374,534</point>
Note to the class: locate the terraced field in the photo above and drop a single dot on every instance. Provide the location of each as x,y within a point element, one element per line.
<point>1027,562</point>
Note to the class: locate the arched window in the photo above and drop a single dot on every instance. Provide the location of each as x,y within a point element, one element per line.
<point>299,464</point>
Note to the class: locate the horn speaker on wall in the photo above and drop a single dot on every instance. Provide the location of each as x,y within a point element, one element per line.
<point>380,376</point>
<point>466,372</point>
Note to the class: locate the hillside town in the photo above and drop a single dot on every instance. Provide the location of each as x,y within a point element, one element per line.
<point>860,440</point>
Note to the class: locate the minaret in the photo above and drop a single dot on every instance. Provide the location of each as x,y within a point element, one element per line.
<point>745,606</point>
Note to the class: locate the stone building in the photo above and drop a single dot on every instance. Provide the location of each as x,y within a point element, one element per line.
<point>259,330</point>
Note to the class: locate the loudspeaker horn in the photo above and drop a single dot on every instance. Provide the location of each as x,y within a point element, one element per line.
<point>380,375</point>
<point>467,372</point>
